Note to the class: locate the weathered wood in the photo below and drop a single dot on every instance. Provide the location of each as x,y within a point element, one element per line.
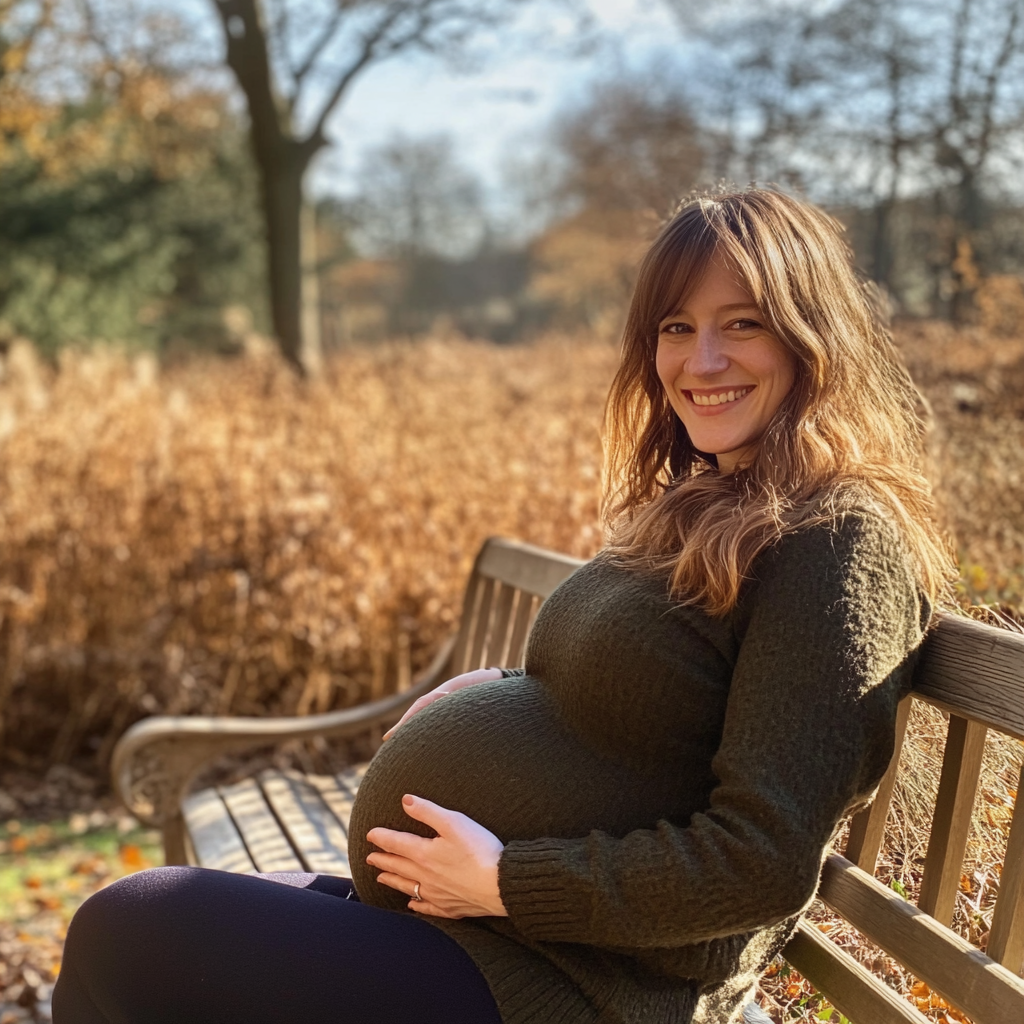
<point>497,643</point>
<point>311,827</point>
<point>339,791</point>
<point>525,567</point>
<point>259,828</point>
<point>470,604</point>
<point>213,834</point>
<point>951,822</point>
<point>975,984</point>
<point>867,828</point>
<point>850,987</point>
<point>1006,937</point>
<point>975,671</point>
<point>526,611</point>
<point>481,627</point>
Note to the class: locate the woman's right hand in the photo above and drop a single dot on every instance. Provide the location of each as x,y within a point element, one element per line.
<point>480,675</point>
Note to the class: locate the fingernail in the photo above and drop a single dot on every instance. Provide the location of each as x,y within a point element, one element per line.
<point>408,800</point>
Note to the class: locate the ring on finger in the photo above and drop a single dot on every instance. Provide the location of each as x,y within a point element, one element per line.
<point>416,893</point>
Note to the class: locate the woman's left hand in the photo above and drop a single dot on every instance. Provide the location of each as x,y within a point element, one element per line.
<point>457,870</point>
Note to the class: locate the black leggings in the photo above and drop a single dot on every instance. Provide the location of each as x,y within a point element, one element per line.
<point>193,946</point>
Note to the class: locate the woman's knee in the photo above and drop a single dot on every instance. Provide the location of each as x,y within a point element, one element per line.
<point>131,909</point>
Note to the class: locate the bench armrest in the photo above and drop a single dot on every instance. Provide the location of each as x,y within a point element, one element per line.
<point>155,761</point>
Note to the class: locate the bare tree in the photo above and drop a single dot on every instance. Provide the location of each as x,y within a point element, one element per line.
<point>874,103</point>
<point>415,199</point>
<point>634,145</point>
<point>295,62</point>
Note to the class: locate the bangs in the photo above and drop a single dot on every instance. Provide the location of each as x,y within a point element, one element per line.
<point>680,257</point>
<point>675,265</point>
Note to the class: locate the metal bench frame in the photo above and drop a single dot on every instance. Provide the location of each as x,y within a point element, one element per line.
<point>291,821</point>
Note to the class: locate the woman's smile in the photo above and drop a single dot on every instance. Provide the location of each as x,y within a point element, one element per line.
<point>711,402</point>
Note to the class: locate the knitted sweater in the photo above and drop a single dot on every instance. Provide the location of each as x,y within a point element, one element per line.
<point>665,782</point>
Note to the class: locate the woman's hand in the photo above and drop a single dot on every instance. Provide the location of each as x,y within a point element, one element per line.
<point>480,675</point>
<point>457,871</point>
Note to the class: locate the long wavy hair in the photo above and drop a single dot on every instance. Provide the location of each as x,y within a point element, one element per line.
<point>848,436</point>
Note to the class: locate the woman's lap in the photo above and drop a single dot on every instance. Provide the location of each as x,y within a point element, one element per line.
<point>190,944</point>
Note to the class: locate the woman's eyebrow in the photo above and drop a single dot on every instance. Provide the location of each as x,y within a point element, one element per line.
<point>728,308</point>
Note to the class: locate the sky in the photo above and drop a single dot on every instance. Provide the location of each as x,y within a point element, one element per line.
<point>494,113</point>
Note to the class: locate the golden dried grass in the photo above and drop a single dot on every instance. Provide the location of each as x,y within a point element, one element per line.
<point>224,538</point>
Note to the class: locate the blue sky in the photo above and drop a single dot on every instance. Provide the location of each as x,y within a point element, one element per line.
<point>495,113</point>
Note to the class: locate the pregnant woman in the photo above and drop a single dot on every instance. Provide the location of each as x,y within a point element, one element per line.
<point>625,831</point>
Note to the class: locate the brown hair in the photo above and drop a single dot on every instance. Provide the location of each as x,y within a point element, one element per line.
<point>849,434</point>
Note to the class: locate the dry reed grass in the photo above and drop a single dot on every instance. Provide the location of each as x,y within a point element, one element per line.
<point>219,537</point>
<point>224,538</point>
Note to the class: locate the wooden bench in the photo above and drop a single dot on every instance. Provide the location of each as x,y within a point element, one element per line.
<point>289,821</point>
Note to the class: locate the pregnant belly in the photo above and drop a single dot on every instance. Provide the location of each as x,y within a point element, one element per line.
<point>500,753</point>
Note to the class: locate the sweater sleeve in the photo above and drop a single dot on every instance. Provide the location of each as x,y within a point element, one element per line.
<point>829,633</point>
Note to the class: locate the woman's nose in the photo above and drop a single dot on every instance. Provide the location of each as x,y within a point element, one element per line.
<point>707,357</point>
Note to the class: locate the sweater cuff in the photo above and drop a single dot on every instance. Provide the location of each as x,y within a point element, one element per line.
<point>512,673</point>
<point>532,880</point>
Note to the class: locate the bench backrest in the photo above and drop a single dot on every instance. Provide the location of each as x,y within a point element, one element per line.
<point>976,674</point>
<point>508,583</point>
<point>972,671</point>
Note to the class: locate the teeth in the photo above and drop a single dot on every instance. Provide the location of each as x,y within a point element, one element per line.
<point>722,399</point>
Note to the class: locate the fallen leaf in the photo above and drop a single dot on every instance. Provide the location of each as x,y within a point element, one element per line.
<point>131,857</point>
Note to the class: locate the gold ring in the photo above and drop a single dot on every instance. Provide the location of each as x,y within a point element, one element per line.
<point>416,893</point>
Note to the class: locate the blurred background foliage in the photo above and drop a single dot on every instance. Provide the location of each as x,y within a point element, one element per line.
<point>130,202</point>
<point>126,193</point>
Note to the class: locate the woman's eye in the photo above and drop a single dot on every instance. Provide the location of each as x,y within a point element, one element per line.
<point>746,325</point>
<point>677,328</point>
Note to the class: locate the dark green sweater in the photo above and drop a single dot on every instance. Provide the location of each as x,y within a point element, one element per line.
<point>665,782</point>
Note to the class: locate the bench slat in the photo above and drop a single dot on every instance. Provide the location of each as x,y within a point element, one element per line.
<point>481,626</point>
<point>951,822</point>
<point>339,792</point>
<point>849,986</point>
<point>1006,938</point>
<point>260,830</point>
<point>976,985</point>
<point>525,567</point>
<point>867,828</point>
<point>497,642</point>
<point>975,671</point>
<point>215,839</point>
<point>526,611</point>
<point>312,829</point>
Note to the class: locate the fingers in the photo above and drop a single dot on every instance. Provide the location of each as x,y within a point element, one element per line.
<point>404,844</point>
<point>447,906</point>
<point>439,818</point>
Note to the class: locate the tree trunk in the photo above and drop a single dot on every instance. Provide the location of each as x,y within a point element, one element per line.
<point>283,211</point>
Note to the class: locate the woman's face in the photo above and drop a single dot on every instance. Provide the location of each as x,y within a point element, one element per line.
<point>724,372</point>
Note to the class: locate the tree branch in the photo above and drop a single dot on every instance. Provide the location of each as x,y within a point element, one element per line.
<point>992,80</point>
<point>367,52</point>
<point>320,45</point>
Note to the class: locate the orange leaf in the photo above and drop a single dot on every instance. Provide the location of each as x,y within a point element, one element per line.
<point>131,857</point>
<point>19,844</point>
<point>793,991</point>
<point>33,883</point>
<point>920,989</point>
